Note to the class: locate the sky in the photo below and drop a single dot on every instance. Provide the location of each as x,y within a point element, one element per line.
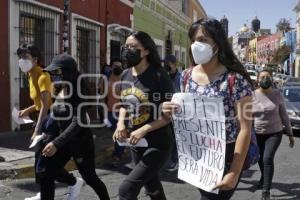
<point>240,12</point>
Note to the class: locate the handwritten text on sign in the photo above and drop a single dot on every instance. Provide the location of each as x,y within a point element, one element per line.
<point>199,127</point>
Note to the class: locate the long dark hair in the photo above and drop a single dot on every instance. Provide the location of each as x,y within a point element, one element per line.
<point>213,29</point>
<point>153,57</point>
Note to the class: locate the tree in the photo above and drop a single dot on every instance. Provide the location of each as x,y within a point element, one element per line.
<point>283,25</point>
<point>281,54</point>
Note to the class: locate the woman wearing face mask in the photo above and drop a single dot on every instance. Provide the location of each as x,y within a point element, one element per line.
<point>112,100</point>
<point>73,140</point>
<point>214,66</point>
<point>270,118</point>
<point>39,84</point>
<point>145,85</point>
<point>40,87</point>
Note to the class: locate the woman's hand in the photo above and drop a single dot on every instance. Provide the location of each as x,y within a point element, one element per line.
<point>168,108</point>
<point>229,182</point>
<point>120,133</point>
<point>49,150</point>
<point>292,141</point>
<point>24,113</point>
<point>136,135</point>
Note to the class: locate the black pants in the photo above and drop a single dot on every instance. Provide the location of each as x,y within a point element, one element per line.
<point>268,145</point>
<point>148,162</point>
<point>223,194</point>
<point>174,152</point>
<point>82,151</point>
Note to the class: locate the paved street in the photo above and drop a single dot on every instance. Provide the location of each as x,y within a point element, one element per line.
<point>286,182</point>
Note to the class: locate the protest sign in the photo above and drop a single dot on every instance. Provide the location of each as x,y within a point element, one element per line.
<point>199,127</point>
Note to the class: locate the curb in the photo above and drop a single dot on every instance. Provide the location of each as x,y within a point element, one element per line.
<point>21,171</point>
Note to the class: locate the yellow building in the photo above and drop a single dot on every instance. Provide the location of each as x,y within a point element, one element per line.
<point>253,50</point>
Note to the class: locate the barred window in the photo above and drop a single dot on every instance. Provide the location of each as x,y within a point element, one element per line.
<point>87,47</point>
<point>38,26</point>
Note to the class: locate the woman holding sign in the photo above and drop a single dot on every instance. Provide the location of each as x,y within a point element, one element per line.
<point>218,73</point>
<point>270,120</point>
<point>145,85</point>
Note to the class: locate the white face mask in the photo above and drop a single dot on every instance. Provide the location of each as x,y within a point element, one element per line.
<point>202,52</point>
<point>25,65</point>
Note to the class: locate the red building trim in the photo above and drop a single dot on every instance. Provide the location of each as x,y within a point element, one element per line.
<point>5,115</point>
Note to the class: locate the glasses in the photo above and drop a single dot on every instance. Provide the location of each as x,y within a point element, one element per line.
<point>131,46</point>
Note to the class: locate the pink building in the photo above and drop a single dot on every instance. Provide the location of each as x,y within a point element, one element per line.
<point>266,48</point>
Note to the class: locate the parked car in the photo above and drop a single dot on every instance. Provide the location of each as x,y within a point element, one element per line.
<point>292,99</point>
<point>252,74</point>
<point>292,81</point>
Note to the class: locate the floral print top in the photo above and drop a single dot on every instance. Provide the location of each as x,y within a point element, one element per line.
<point>220,88</point>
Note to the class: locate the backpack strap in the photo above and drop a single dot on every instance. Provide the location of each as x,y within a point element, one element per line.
<point>186,77</point>
<point>231,80</point>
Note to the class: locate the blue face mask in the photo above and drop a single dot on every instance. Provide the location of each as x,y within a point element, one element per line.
<point>57,78</point>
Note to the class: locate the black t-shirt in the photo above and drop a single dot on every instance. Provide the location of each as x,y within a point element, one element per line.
<point>142,96</point>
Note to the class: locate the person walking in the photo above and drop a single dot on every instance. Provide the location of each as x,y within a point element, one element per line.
<point>40,89</point>
<point>215,65</point>
<point>73,140</point>
<point>171,67</point>
<point>112,101</point>
<point>270,120</point>
<point>144,86</point>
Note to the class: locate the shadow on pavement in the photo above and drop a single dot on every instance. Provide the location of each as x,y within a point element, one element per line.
<point>125,168</point>
<point>248,173</point>
<point>291,190</point>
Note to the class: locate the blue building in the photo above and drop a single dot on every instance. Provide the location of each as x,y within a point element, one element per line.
<point>290,39</point>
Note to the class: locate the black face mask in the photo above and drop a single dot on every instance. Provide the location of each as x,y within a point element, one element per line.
<point>265,83</point>
<point>168,68</point>
<point>117,71</point>
<point>132,57</point>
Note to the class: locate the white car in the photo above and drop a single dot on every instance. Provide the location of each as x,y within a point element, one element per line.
<point>252,74</point>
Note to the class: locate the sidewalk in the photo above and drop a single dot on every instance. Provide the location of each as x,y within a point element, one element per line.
<point>18,160</point>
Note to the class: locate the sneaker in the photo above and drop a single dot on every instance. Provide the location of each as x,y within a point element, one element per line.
<point>173,166</point>
<point>74,191</point>
<point>36,197</point>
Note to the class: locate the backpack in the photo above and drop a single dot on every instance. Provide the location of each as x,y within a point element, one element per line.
<point>253,152</point>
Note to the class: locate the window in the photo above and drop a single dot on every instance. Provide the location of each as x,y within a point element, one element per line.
<point>38,26</point>
<point>87,47</point>
<point>177,54</point>
<point>86,50</point>
<point>160,50</point>
<point>185,6</point>
<point>183,58</point>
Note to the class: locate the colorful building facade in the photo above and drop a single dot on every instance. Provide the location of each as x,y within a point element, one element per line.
<point>253,48</point>
<point>96,29</point>
<point>290,40</point>
<point>167,23</point>
<point>267,47</point>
